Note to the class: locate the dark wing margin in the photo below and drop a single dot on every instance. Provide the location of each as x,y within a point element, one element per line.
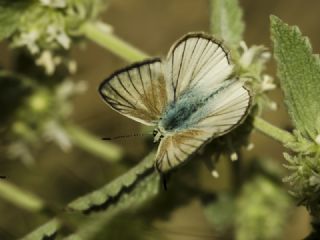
<point>137,91</point>
<point>197,59</point>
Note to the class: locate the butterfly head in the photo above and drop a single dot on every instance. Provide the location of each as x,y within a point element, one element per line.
<point>158,134</point>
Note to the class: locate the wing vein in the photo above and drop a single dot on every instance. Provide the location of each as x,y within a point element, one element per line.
<point>183,151</point>
<point>195,67</point>
<point>190,145</point>
<point>174,90</point>
<point>181,62</point>
<point>123,86</point>
<point>116,103</point>
<point>168,159</point>
<point>143,89</point>
<point>151,87</point>
<point>123,98</point>
<point>176,157</point>
<point>132,83</point>
<point>206,61</point>
<point>208,70</point>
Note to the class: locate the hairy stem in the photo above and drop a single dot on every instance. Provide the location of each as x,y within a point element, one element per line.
<point>272,131</point>
<point>19,197</point>
<point>105,150</point>
<point>113,43</point>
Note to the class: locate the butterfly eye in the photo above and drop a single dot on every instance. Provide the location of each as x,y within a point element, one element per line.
<point>155,132</point>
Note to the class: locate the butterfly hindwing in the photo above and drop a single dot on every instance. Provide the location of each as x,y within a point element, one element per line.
<point>196,59</point>
<point>175,149</point>
<point>138,91</point>
<point>226,110</point>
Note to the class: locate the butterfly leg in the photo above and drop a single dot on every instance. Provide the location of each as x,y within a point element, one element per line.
<point>164,179</point>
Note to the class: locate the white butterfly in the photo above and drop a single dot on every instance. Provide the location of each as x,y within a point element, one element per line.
<point>189,97</point>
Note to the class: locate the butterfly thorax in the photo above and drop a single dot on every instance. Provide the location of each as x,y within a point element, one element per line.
<point>158,134</point>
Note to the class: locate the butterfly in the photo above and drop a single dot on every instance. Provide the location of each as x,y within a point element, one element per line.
<point>190,97</point>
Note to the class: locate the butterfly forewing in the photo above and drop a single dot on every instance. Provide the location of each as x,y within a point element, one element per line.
<point>195,60</point>
<point>138,91</point>
<point>175,149</point>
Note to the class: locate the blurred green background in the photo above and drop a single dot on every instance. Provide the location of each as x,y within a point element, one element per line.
<point>152,26</point>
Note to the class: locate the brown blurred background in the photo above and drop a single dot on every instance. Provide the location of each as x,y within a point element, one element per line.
<point>152,26</point>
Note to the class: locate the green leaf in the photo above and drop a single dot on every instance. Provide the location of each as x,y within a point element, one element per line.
<point>226,21</point>
<point>127,192</point>
<point>263,209</point>
<point>10,14</point>
<point>299,73</point>
<point>46,231</point>
<point>138,184</point>
<point>220,213</point>
<point>145,190</point>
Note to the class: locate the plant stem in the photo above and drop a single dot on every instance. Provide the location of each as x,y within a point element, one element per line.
<point>20,198</point>
<point>272,131</point>
<point>112,43</point>
<point>107,151</point>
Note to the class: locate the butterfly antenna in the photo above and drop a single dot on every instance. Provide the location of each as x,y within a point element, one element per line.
<point>125,136</point>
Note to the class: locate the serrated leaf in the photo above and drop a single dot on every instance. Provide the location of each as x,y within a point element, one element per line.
<point>226,21</point>
<point>46,231</point>
<point>123,187</point>
<point>145,190</point>
<point>10,14</point>
<point>299,73</point>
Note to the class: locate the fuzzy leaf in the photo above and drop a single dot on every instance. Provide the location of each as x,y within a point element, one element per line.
<point>299,73</point>
<point>145,190</point>
<point>129,187</point>
<point>127,192</point>
<point>46,231</point>
<point>10,14</point>
<point>226,21</point>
